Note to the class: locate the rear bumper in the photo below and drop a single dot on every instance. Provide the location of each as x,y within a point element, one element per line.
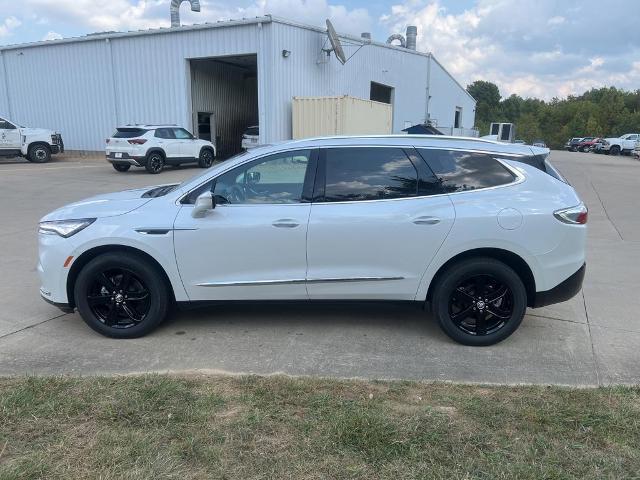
<point>562,292</point>
<point>125,158</point>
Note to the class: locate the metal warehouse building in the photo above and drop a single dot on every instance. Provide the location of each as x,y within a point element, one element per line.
<point>237,73</point>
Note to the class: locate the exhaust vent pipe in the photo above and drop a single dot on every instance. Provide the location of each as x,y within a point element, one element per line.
<point>397,36</point>
<point>412,34</point>
<point>175,10</point>
<point>366,36</point>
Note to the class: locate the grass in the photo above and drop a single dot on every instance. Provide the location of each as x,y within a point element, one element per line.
<point>276,427</point>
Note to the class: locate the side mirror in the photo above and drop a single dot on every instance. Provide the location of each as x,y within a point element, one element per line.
<point>204,203</point>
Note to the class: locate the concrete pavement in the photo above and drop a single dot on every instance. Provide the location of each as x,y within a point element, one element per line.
<point>591,340</point>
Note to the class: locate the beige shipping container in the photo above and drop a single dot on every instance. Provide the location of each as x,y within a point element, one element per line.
<point>345,115</point>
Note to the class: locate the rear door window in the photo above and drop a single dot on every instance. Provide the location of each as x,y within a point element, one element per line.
<point>129,132</point>
<point>368,173</point>
<point>164,133</point>
<point>460,171</point>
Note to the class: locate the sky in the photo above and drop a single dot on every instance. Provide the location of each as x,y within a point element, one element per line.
<point>533,48</point>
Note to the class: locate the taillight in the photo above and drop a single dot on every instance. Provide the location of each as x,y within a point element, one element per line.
<point>138,141</point>
<point>575,215</point>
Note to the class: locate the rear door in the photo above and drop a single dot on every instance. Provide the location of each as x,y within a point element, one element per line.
<point>378,219</point>
<point>167,141</point>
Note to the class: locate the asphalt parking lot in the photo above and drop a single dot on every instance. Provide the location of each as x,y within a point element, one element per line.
<point>591,340</point>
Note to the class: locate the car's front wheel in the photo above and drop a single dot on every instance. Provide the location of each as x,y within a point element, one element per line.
<point>479,301</point>
<point>614,150</point>
<point>121,295</point>
<point>39,153</point>
<point>206,158</point>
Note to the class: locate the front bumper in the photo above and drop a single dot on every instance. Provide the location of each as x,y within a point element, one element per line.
<point>562,292</point>
<point>65,307</point>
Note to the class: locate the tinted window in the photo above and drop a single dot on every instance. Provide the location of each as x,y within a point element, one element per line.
<point>129,132</point>
<point>164,133</point>
<point>277,178</point>
<point>182,134</point>
<point>368,174</point>
<point>460,171</point>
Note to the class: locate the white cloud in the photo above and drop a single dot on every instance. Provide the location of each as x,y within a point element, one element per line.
<point>52,36</point>
<point>10,23</point>
<point>537,48</point>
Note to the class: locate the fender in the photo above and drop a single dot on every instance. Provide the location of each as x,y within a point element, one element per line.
<point>446,254</point>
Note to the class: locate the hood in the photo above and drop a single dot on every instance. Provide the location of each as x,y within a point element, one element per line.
<point>35,131</point>
<point>612,139</point>
<point>100,206</point>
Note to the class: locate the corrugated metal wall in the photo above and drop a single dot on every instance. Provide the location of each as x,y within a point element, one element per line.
<point>86,88</point>
<point>446,95</point>
<point>225,91</point>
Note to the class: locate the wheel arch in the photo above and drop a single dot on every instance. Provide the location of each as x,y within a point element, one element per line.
<point>35,143</point>
<point>513,260</point>
<point>156,150</point>
<point>208,147</point>
<point>92,253</point>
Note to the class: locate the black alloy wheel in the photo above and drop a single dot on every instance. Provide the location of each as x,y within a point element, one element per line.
<point>121,295</point>
<point>118,298</point>
<point>479,301</point>
<point>481,305</point>
<point>155,163</point>
<point>206,158</point>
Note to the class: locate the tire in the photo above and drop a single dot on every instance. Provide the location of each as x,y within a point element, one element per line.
<point>614,150</point>
<point>206,158</point>
<point>39,153</point>
<point>457,307</point>
<point>155,162</point>
<point>110,310</point>
<point>121,167</point>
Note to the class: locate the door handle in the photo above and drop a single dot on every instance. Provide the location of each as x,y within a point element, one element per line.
<point>285,223</point>
<point>426,221</point>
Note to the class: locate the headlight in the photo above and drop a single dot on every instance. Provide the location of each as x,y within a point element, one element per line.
<point>64,228</point>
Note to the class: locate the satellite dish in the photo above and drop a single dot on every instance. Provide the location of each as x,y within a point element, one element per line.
<point>336,45</point>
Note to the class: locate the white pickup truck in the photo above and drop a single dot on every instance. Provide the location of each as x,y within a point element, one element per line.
<point>622,145</point>
<point>35,144</point>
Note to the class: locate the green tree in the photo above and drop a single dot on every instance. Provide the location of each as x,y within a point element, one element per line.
<point>487,96</point>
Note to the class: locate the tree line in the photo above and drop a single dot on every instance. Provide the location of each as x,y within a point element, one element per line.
<point>600,112</point>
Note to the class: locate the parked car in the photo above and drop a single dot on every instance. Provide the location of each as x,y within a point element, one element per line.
<point>35,144</point>
<point>623,145</point>
<point>572,144</point>
<point>586,144</point>
<point>251,137</point>
<point>154,146</point>
<point>478,229</point>
<point>519,142</point>
<point>539,143</point>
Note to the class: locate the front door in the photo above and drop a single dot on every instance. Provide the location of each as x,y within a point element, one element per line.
<point>187,146</point>
<point>9,136</point>
<point>380,221</point>
<point>252,245</point>
<point>168,142</point>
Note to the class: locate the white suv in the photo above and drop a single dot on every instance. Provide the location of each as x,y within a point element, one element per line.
<point>154,146</point>
<point>478,229</point>
<point>251,137</point>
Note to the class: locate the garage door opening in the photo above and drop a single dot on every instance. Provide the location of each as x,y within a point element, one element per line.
<point>224,100</point>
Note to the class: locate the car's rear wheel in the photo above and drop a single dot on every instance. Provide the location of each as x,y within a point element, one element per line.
<point>121,295</point>
<point>155,162</point>
<point>479,301</point>
<point>614,150</point>
<point>206,158</point>
<point>121,167</point>
<point>39,153</point>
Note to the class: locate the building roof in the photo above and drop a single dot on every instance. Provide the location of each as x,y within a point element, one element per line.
<point>221,24</point>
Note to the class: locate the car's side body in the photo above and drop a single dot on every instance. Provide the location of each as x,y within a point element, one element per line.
<point>17,141</point>
<point>133,145</point>
<point>380,249</point>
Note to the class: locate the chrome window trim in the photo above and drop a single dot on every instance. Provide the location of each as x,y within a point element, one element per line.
<point>520,178</point>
